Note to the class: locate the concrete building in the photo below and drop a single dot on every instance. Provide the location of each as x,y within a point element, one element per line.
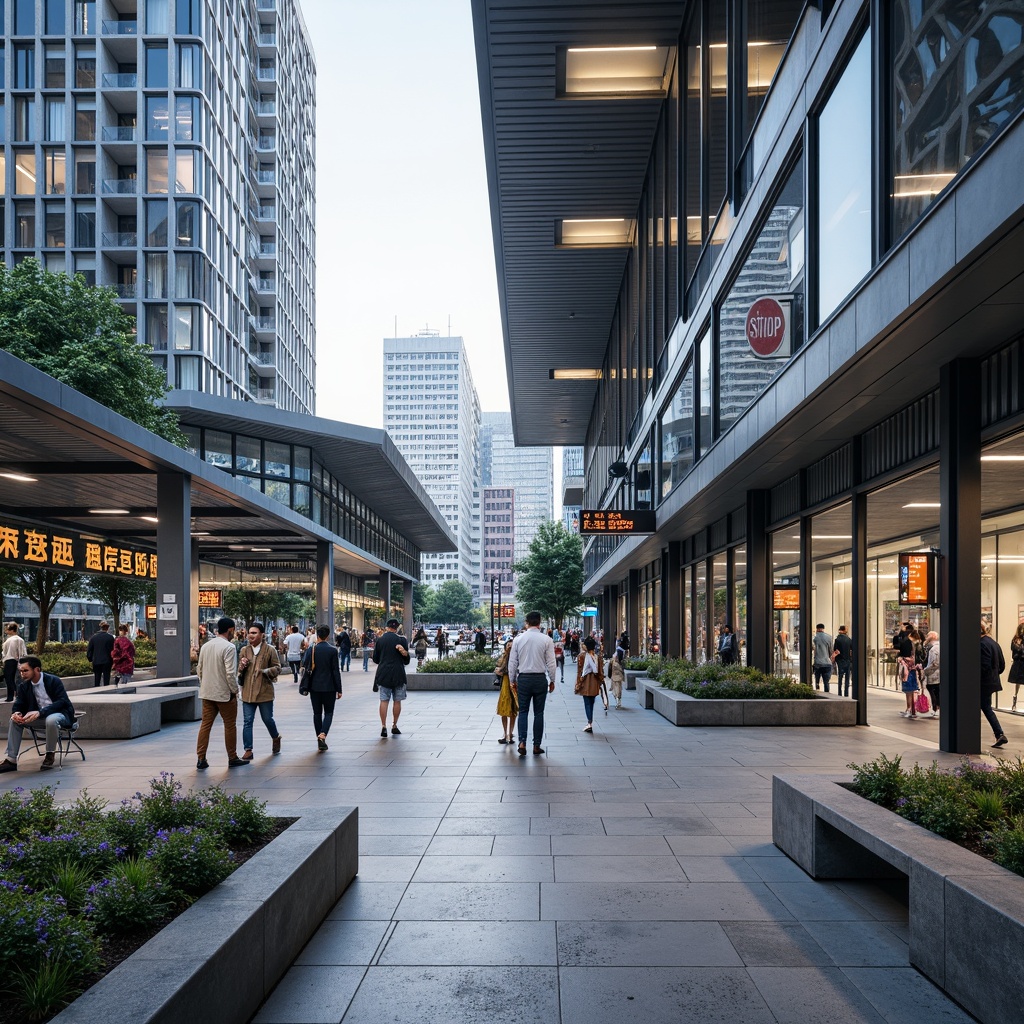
<point>432,413</point>
<point>167,151</point>
<point>762,259</point>
<point>572,487</point>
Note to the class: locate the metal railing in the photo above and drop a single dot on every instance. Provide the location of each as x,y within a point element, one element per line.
<point>124,291</point>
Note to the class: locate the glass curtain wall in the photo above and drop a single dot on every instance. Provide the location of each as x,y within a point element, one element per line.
<point>786,611</point>
<point>700,614</point>
<point>688,613</point>
<point>739,600</point>
<point>719,597</point>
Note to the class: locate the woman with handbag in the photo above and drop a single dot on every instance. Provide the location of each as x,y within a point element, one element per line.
<point>1016,675</point>
<point>589,667</point>
<point>321,679</point>
<point>908,670</point>
<point>508,702</point>
<point>617,675</point>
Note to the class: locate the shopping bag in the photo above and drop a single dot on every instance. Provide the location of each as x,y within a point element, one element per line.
<point>921,704</point>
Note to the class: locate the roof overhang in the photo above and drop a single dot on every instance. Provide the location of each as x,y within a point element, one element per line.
<point>549,159</point>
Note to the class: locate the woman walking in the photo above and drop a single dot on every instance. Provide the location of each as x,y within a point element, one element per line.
<point>908,672</point>
<point>323,681</point>
<point>123,654</point>
<point>617,675</point>
<point>508,703</point>
<point>420,643</point>
<point>589,666</point>
<point>1016,675</point>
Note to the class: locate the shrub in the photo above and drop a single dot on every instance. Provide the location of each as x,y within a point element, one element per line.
<point>38,862</point>
<point>939,801</point>
<point>467,661</point>
<point>128,830</point>
<point>42,992</point>
<point>164,806</point>
<point>990,807</point>
<point>650,663</point>
<point>1010,776</point>
<point>71,883</point>
<point>712,681</point>
<point>1006,844</point>
<point>881,781</point>
<point>37,927</point>
<point>134,897</point>
<point>19,814</point>
<point>238,818</point>
<point>190,860</point>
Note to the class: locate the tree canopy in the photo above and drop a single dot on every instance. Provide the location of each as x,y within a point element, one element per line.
<point>116,591</point>
<point>453,602</point>
<point>267,606</point>
<point>81,336</point>
<point>550,579</point>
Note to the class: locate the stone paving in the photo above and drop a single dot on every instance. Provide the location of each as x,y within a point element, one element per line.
<point>627,875</point>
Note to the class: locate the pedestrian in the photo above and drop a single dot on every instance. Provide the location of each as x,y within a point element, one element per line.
<point>574,645</point>
<point>39,695</point>
<point>275,640</point>
<point>993,664</point>
<point>907,672</point>
<point>531,667</point>
<point>13,651</point>
<point>369,638</point>
<point>508,704</point>
<point>727,645</point>
<point>842,655</point>
<point>617,674</point>
<point>420,644</point>
<point>822,663</point>
<point>442,642</point>
<point>344,650</point>
<point>559,656</point>
<point>123,657</point>
<point>258,667</point>
<point>1016,675</point>
<point>294,645</point>
<point>932,671</point>
<point>323,678</point>
<point>390,655</point>
<point>218,690</point>
<point>589,668</point>
<point>624,642</point>
<point>479,641</point>
<point>98,653</point>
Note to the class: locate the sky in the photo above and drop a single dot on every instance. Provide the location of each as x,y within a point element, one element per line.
<point>403,219</point>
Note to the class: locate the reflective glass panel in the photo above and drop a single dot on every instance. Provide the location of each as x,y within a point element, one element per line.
<point>677,435</point>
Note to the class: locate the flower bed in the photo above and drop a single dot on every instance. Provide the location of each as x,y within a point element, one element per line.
<point>76,881</point>
<point>977,806</point>
<point>726,682</point>
<point>467,661</point>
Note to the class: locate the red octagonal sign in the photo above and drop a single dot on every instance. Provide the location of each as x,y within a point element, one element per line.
<point>767,328</point>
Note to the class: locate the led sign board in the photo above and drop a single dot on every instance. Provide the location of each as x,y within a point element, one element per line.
<point>211,599</point>
<point>611,521</point>
<point>917,577</point>
<point>39,547</point>
<point>508,611</point>
<point>785,598</point>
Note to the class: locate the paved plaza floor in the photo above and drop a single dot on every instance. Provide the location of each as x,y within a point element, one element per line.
<point>623,876</point>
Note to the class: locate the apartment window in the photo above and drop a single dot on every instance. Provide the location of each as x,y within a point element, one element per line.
<point>187,17</point>
<point>85,226</point>
<point>85,69</point>
<point>156,67</point>
<point>187,373</point>
<point>85,119</point>
<point>24,173</point>
<point>54,67</point>
<point>54,226</point>
<point>187,223</point>
<point>3,118</point>
<point>156,17</point>
<point>188,276</point>
<point>156,327</point>
<point>186,119</point>
<point>156,169</point>
<point>55,129</point>
<point>156,118</point>
<point>24,66</point>
<point>185,171</point>
<point>190,66</point>
<point>85,171</point>
<point>25,225</point>
<point>55,164</point>
<point>24,118</point>
<point>24,17</point>
<point>156,222</point>
<point>844,183</point>
<point>55,17</point>
<point>156,275</point>
<point>185,319</point>
<point>85,17</point>
<point>86,266</point>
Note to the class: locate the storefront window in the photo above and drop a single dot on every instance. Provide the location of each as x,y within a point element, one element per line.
<point>688,614</point>
<point>676,435</point>
<point>700,615</point>
<point>739,601</point>
<point>773,270</point>
<point>844,183</point>
<point>786,600</point>
<point>719,595</point>
<point>831,554</point>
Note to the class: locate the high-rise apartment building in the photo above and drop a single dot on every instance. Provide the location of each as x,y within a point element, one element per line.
<point>572,487</point>
<point>165,148</point>
<point>497,534</point>
<point>432,412</point>
<point>530,471</point>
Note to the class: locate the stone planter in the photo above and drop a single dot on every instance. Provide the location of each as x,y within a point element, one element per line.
<point>221,958</point>
<point>682,709</point>
<point>451,681</point>
<point>632,675</point>
<point>966,913</point>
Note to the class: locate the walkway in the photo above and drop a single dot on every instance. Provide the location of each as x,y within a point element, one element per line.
<point>624,876</point>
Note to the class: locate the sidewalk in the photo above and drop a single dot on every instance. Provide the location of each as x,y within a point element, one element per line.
<point>627,875</point>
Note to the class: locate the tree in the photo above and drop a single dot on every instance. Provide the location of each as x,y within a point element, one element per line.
<point>550,578</point>
<point>44,588</point>
<point>82,337</point>
<point>117,591</point>
<point>8,585</point>
<point>453,602</point>
<point>423,598</point>
<point>267,605</point>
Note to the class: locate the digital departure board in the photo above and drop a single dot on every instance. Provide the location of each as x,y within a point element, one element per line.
<point>917,577</point>
<point>785,598</point>
<point>635,521</point>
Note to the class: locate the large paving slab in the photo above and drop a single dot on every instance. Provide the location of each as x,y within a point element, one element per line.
<point>624,876</point>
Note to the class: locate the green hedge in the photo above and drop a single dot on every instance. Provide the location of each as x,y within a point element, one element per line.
<point>712,681</point>
<point>69,659</point>
<point>467,661</point>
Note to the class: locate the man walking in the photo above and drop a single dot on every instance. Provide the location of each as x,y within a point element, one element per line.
<point>391,655</point>
<point>258,667</point>
<point>727,645</point>
<point>531,668</point>
<point>294,645</point>
<point>822,663</point>
<point>40,695</point>
<point>479,641</point>
<point>844,661</point>
<point>218,690</point>
<point>100,654</point>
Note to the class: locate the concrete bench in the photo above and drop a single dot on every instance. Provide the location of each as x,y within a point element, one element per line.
<point>966,913</point>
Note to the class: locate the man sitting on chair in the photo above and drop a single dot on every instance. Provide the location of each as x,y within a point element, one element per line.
<point>40,695</point>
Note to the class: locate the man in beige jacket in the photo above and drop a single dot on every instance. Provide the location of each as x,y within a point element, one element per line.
<point>218,689</point>
<point>258,667</point>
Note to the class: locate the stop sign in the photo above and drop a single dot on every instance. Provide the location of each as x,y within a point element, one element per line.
<point>767,328</point>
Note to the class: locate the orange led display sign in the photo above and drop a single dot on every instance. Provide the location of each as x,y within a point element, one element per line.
<point>917,578</point>
<point>612,521</point>
<point>785,598</point>
<point>508,611</point>
<point>210,599</point>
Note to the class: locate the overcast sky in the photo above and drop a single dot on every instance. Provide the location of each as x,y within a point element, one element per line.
<point>403,222</point>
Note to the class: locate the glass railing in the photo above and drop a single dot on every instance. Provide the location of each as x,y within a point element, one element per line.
<point>266,177</point>
<point>266,143</point>
<point>120,187</point>
<point>124,291</point>
<point>118,81</point>
<point>264,323</point>
<point>120,28</point>
<point>266,74</point>
<point>118,133</point>
<point>268,38</point>
<point>266,107</point>
<point>123,239</point>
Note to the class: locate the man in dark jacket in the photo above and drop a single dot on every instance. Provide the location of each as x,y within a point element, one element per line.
<point>324,682</point>
<point>100,654</point>
<point>479,641</point>
<point>391,655</point>
<point>344,650</point>
<point>993,664</point>
<point>40,695</point>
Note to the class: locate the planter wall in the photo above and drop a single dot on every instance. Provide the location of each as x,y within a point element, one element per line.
<point>220,959</point>
<point>682,709</point>
<point>451,681</point>
<point>966,913</point>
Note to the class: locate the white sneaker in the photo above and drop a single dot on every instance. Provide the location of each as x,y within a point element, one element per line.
<point>904,714</point>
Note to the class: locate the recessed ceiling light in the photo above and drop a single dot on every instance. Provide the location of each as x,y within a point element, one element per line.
<point>20,477</point>
<point>200,533</point>
<point>569,373</point>
<point>109,512</point>
<point>923,504</point>
<point>595,233</point>
<point>150,519</point>
<point>263,549</point>
<point>1002,458</point>
<point>606,71</point>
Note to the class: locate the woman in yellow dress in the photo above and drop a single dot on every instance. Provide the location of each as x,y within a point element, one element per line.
<point>508,703</point>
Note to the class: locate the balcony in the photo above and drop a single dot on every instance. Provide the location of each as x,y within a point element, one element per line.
<point>118,133</point>
<point>120,239</point>
<point>262,358</point>
<point>266,284</point>
<point>117,81</point>
<point>265,395</point>
<point>263,323</point>
<point>267,38</point>
<point>266,5</point>
<point>263,212</point>
<point>266,143</point>
<point>266,177</point>
<point>124,291</point>
<point>267,249</point>
<point>120,187</point>
<point>120,28</point>
<point>267,74</point>
<point>265,107</point>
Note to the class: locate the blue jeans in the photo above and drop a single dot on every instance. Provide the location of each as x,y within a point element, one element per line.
<point>845,672</point>
<point>532,686</point>
<point>989,712</point>
<point>346,660</point>
<point>588,706</point>
<point>248,717</point>
<point>822,674</point>
<point>367,652</point>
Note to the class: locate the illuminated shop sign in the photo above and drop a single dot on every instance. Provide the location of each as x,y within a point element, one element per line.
<point>35,547</point>
<point>917,578</point>
<point>636,521</point>
<point>211,599</point>
<point>785,598</point>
